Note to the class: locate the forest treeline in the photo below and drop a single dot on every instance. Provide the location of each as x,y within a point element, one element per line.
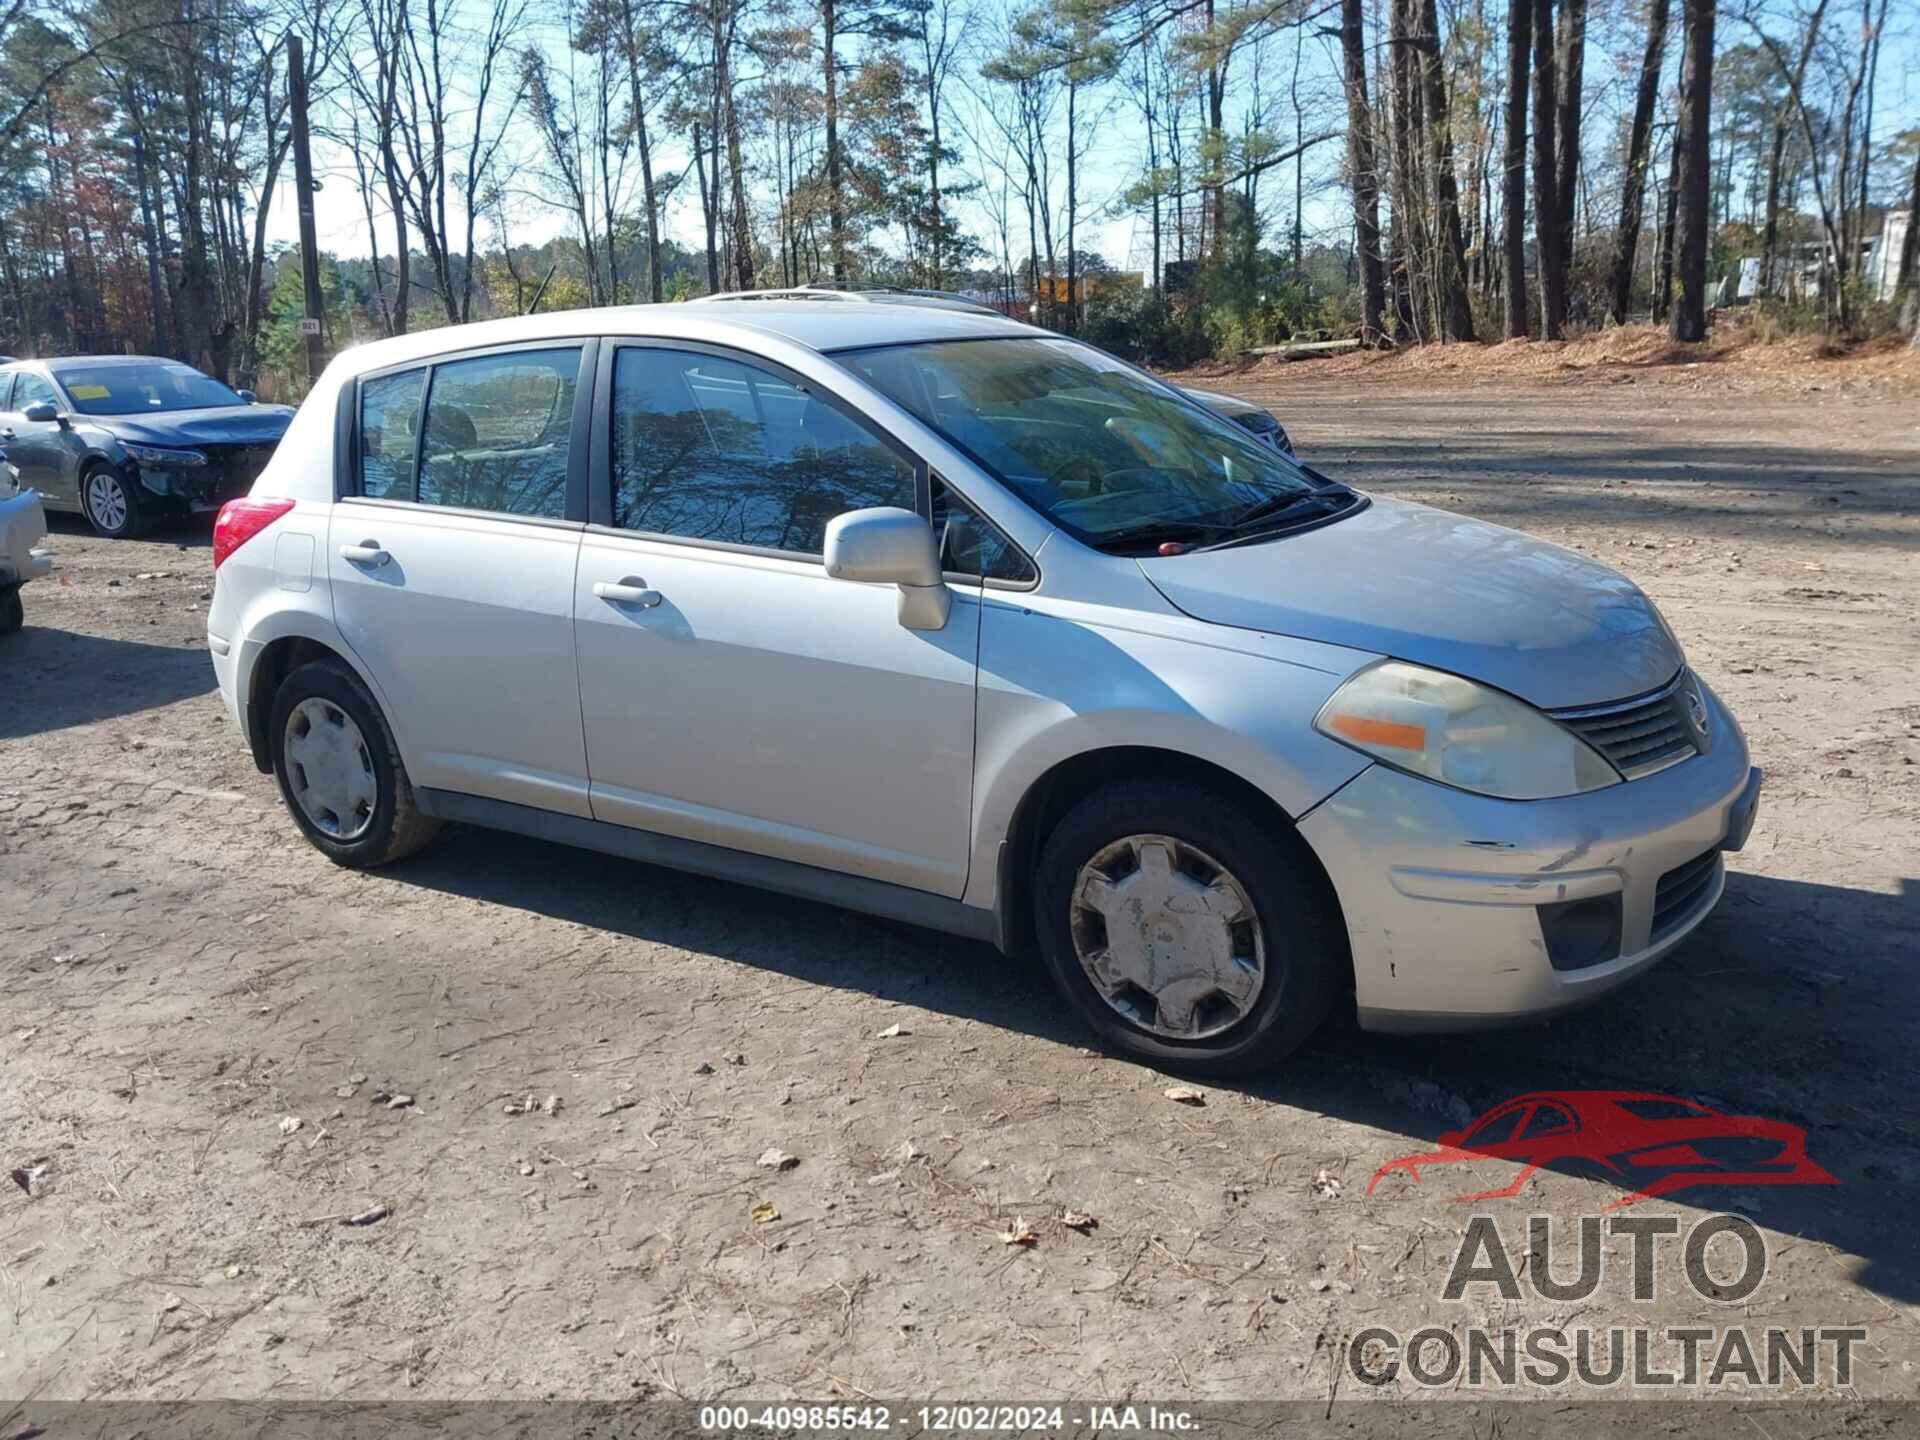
<point>1402,170</point>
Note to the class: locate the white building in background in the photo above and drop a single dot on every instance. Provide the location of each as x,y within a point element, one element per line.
<point>1882,270</point>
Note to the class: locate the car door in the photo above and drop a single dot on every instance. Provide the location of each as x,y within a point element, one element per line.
<point>452,560</point>
<point>732,693</point>
<point>46,453</point>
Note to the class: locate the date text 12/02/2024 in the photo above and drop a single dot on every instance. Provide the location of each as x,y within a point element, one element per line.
<point>981,1419</point>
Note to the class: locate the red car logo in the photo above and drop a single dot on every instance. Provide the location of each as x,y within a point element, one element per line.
<point>1652,1143</point>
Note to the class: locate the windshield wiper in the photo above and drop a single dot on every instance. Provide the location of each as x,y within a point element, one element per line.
<point>1157,532</point>
<point>1269,517</point>
<point>1281,507</point>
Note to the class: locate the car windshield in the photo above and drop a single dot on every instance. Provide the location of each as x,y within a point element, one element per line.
<point>1106,452</point>
<point>141,389</point>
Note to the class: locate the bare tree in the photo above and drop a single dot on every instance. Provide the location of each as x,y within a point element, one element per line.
<point>1363,173</point>
<point>1694,206</point>
<point>1634,182</point>
<point>1514,178</point>
<point>1546,186</point>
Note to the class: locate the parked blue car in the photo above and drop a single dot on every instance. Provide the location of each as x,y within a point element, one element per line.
<point>123,439</point>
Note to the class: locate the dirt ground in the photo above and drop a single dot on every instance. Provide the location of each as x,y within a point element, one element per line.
<point>182,979</point>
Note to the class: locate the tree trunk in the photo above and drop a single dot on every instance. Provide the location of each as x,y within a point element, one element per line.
<point>1513,187</point>
<point>742,226</point>
<point>709,205</point>
<point>1456,311</point>
<point>1693,139</point>
<point>1663,279</point>
<point>1404,270</point>
<point>1366,176</point>
<point>1770,236</point>
<point>1910,249</point>
<point>836,201</point>
<point>1546,186</point>
<point>1570,63</point>
<point>1633,192</point>
<point>152,243</point>
<point>1073,208</point>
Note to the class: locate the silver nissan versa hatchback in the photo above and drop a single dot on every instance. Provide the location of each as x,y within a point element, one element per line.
<point>951,620</point>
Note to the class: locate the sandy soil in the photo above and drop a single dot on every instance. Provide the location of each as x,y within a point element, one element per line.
<point>181,978</point>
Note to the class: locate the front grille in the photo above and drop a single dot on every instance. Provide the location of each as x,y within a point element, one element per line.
<point>1683,892</point>
<point>1641,735</point>
<point>232,469</point>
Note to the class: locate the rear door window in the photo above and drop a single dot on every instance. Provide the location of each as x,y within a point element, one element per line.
<point>497,433</point>
<point>390,434</point>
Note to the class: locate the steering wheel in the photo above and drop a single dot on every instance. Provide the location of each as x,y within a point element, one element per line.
<point>1081,468</point>
<point>1134,477</point>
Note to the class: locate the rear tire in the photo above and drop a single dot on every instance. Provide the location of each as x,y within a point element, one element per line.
<point>112,504</point>
<point>1227,959</point>
<point>13,614</point>
<point>340,772</point>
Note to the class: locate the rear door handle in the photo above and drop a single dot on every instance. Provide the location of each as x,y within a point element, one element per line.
<point>367,552</point>
<point>630,591</point>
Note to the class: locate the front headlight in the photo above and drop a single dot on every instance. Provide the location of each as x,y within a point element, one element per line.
<point>162,457</point>
<point>1461,734</point>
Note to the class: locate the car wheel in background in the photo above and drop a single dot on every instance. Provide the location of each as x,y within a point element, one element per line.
<point>111,503</point>
<point>1185,930</point>
<point>340,772</point>
<point>13,614</point>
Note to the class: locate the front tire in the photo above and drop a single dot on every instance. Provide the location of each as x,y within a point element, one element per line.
<point>1190,931</point>
<point>13,614</point>
<point>340,772</point>
<point>112,504</point>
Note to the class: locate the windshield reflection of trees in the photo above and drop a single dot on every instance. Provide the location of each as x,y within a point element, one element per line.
<point>706,474</point>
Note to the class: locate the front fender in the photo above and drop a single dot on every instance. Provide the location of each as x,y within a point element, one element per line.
<point>1055,684</point>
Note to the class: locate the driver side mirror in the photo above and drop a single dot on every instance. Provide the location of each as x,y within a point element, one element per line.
<point>40,414</point>
<point>886,545</point>
<point>247,397</point>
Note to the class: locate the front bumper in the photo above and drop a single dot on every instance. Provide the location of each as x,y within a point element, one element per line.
<point>23,524</point>
<point>196,489</point>
<point>1442,890</point>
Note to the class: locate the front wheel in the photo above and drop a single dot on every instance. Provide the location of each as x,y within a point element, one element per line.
<point>111,503</point>
<point>1185,930</point>
<point>340,772</point>
<point>12,613</point>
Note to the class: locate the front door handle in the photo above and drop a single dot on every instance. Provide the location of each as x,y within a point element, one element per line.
<point>7,434</point>
<point>367,552</point>
<point>630,591</point>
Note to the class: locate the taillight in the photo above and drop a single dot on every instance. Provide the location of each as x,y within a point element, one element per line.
<point>240,520</point>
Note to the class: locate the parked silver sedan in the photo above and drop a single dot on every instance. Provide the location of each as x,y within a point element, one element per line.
<point>948,619</point>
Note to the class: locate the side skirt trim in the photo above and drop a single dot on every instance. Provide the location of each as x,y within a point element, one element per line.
<point>785,877</point>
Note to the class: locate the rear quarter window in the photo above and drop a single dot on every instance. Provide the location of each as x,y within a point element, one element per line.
<point>389,434</point>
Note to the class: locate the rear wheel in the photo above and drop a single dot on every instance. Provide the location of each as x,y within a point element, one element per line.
<point>12,613</point>
<point>111,503</point>
<point>1185,930</point>
<point>340,771</point>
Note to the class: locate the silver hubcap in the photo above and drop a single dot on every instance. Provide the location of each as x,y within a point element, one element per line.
<point>1168,937</point>
<point>106,501</point>
<point>330,770</point>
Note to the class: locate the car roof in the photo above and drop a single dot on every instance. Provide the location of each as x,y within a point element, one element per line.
<point>806,323</point>
<point>95,362</point>
<point>868,295</point>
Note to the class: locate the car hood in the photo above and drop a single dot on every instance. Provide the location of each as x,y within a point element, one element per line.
<point>1221,403</point>
<point>1438,589</point>
<point>224,425</point>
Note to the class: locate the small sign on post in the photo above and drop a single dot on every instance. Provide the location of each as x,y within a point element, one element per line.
<point>309,325</point>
